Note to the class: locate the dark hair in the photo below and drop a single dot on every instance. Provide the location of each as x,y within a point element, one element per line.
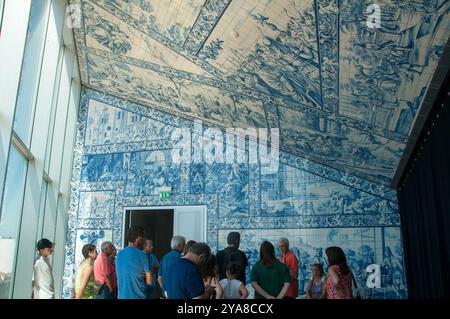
<point>207,268</point>
<point>336,256</point>
<point>87,249</point>
<point>234,268</point>
<point>319,267</point>
<point>267,253</point>
<point>199,249</point>
<point>189,245</point>
<point>44,243</point>
<point>233,238</point>
<point>135,232</point>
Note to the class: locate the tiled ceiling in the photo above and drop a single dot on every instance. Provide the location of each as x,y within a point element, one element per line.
<point>342,94</point>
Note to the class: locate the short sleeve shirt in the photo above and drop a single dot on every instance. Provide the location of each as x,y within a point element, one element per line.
<point>166,262</point>
<point>131,264</point>
<point>271,279</point>
<point>102,268</point>
<point>184,280</point>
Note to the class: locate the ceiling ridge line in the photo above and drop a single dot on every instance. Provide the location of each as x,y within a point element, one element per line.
<point>360,175</point>
<point>319,53</point>
<point>195,22</point>
<point>80,42</point>
<point>213,27</point>
<point>169,45</point>
<point>136,62</point>
<point>354,124</point>
<point>342,120</point>
<point>159,108</point>
<point>98,97</point>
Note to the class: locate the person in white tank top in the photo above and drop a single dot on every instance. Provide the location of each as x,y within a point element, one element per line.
<point>233,288</point>
<point>43,284</point>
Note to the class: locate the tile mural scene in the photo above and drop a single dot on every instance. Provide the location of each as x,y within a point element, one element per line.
<point>363,246</point>
<point>342,93</point>
<point>313,205</point>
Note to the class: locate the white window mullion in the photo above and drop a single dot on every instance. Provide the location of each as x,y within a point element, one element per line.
<point>12,43</point>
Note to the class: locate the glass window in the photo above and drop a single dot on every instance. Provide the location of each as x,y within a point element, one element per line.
<point>56,93</point>
<point>50,213</point>
<point>40,224</point>
<point>31,69</point>
<point>2,6</point>
<point>10,217</point>
<point>12,43</point>
<point>69,139</point>
<point>47,90</point>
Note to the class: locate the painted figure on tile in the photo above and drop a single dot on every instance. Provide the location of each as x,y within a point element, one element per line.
<point>106,32</point>
<point>91,237</point>
<point>319,258</point>
<point>390,268</point>
<point>304,264</point>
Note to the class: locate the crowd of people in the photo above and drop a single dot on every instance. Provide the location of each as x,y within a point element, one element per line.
<point>191,271</point>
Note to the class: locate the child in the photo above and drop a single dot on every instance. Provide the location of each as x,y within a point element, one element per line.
<point>43,286</point>
<point>315,289</point>
<point>233,288</point>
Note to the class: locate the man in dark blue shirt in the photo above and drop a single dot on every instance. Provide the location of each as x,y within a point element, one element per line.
<point>232,254</point>
<point>185,280</point>
<point>177,243</point>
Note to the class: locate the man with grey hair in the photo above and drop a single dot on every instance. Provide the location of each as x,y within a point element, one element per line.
<point>288,257</point>
<point>104,273</point>
<point>177,244</point>
<point>185,280</point>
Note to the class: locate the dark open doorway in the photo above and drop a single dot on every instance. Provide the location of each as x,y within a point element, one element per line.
<point>158,225</point>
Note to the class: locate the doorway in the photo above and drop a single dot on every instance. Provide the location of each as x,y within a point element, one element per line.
<point>187,221</point>
<point>161,223</point>
<point>158,226</point>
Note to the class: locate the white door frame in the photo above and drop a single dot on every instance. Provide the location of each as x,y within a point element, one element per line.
<point>202,209</point>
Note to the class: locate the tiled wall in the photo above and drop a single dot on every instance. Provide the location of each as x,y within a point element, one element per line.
<point>343,94</point>
<point>123,154</point>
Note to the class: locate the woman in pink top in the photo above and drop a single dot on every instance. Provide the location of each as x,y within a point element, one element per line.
<point>339,281</point>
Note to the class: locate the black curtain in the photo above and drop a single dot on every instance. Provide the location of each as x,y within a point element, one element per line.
<point>424,202</point>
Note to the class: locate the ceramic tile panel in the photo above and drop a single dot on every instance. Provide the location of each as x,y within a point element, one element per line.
<point>314,205</point>
<point>260,63</point>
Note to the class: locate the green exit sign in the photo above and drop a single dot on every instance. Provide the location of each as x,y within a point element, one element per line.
<point>165,195</point>
<point>165,192</point>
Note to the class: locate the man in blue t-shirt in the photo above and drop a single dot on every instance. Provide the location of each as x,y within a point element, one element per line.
<point>177,243</point>
<point>132,267</point>
<point>185,280</point>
